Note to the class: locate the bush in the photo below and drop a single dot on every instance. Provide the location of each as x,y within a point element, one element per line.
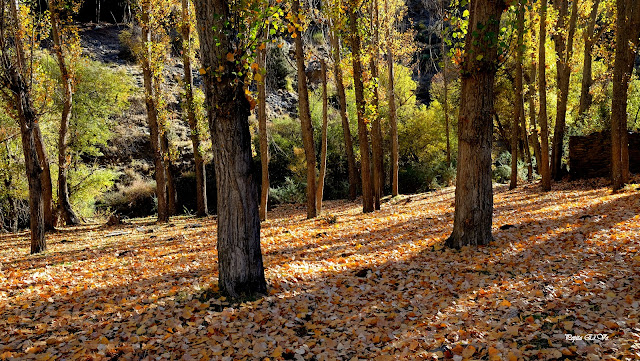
<point>135,200</point>
<point>289,192</point>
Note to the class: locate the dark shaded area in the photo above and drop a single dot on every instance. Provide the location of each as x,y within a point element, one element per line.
<point>590,156</point>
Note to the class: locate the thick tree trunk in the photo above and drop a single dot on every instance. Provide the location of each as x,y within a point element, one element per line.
<point>323,151</point>
<point>262,129</point>
<point>64,204</point>
<point>627,24</point>
<point>363,133</point>
<point>564,51</point>
<point>587,74</point>
<point>346,131</point>
<point>393,119</point>
<point>47,185</point>
<point>152,117</point>
<point>305,119</point>
<point>474,193</point>
<point>543,166</point>
<point>241,271</point>
<point>200,172</point>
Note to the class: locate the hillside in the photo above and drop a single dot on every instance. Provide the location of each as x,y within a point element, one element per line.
<point>345,286</point>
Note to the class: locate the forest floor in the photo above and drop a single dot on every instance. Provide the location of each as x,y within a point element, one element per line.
<point>344,286</point>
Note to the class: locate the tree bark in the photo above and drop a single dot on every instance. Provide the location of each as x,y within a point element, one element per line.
<point>323,151</point>
<point>64,204</point>
<point>241,271</point>
<point>393,119</point>
<point>627,24</point>
<point>15,73</point>
<point>200,171</point>
<point>363,133</point>
<point>543,166</point>
<point>346,131</point>
<point>376,127</point>
<point>169,169</point>
<point>474,193</point>
<point>587,74</point>
<point>305,118</point>
<point>518,99</point>
<point>262,129</point>
<point>533,139</point>
<point>152,116</point>
<point>564,51</point>
<point>47,185</point>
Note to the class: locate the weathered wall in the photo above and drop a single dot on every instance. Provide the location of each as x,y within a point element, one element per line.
<point>590,156</point>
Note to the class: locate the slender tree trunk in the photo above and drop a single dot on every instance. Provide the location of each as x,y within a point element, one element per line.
<point>627,24</point>
<point>23,103</point>
<point>515,135</point>
<point>391,95</point>
<point>376,127</point>
<point>241,270</point>
<point>543,166</point>
<point>474,193</point>
<point>305,119</point>
<point>200,171</point>
<point>323,151</point>
<point>533,139</point>
<point>446,102</point>
<point>152,117</point>
<point>518,99</point>
<point>346,131</point>
<point>262,128</point>
<point>169,169</point>
<point>363,133</point>
<point>64,204</point>
<point>564,51</point>
<point>587,74</point>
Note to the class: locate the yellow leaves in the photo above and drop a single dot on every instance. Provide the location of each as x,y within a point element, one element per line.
<point>202,71</point>
<point>230,57</point>
<point>468,351</point>
<point>505,303</point>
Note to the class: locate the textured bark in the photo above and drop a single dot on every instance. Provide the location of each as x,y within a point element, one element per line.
<point>64,204</point>
<point>446,103</point>
<point>14,70</point>
<point>515,135</point>
<point>305,119</point>
<point>543,166</point>
<point>169,171</point>
<point>519,123</point>
<point>47,185</point>
<point>564,51</point>
<point>241,271</point>
<point>587,74</point>
<point>627,24</point>
<point>346,131</point>
<point>323,151</point>
<point>262,129</point>
<point>474,193</point>
<point>200,171</point>
<point>376,127</point>
<point>150,96</point>
<point>393,119</point>
<point>533,139</point>
<point>363,133</point>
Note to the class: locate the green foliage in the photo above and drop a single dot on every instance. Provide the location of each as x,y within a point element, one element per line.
<point>290,192</point>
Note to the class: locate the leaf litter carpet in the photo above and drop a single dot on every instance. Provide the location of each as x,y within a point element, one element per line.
<point>560,281</point>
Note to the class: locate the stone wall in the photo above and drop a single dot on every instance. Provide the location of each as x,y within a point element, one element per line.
<point>590,156</point>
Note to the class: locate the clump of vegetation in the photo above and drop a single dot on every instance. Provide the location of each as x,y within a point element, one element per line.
<point>134,200</point>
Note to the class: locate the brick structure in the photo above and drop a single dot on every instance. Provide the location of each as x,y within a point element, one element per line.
<point>590,156</point>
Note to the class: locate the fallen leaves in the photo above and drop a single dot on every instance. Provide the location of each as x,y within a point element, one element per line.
<point>379,286</point>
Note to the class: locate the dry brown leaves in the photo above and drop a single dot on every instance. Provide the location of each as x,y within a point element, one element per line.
<point>378,286</point>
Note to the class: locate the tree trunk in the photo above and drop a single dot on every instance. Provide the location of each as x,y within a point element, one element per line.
<point>262,129</point>
<point>446,101</point>
<point>474,193</point>
<point>152,117</point>
<point>533,139</point>
<point>587,75</point>
<point>518,99</point>
<point>363,133</point>
<point>169,169</point>
<point>376,127</point>
<point>21,100</point>
<point>627,24</point>
<point>346,131</point>
<point>200,172</point>
<point>323,151</point>
<point>393,119</point>
<point>305,119</point>
<point>564,51</point>
<point>241,271</point>
<point>64,204</point>
<point>515,135</point>
<point>47,185</point>
<point>543,166</point>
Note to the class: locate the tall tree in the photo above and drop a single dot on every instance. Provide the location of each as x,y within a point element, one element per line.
<point>47,185</point>
<point>363,133</point>
<point>533,138</point>
<point>67,74</point>
<point>342,101</point>
<point>262,129</point>
<point>587,65</point>
<point>187,53</point>
<point>543,166</point>
<point>16,90</point>
<point>627,42</point>
<point>564,52</point>
<point>519,123</point>
<point>304,112</point>
<point>241,270</point>
<point>474,193</point>
<point>393,118</point>
<point>376,127</point>
<point>151,74</point>
<point>323,142</point>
